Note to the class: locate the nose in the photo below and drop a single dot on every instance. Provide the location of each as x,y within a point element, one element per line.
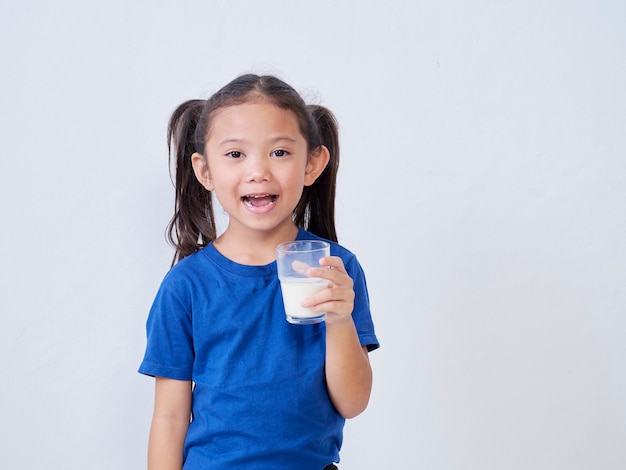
<point>258,169</point>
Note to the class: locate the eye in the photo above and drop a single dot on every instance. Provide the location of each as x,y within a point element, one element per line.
<point>280,153</point>
<point>234,154</point>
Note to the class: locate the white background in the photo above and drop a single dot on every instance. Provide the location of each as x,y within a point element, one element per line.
<point>483,187</point>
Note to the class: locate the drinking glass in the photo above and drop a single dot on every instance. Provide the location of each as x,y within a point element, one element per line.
<point>293,259</point>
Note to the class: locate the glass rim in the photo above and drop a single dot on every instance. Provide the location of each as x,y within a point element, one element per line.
<point>282,248</point>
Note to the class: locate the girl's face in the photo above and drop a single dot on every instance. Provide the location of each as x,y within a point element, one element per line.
<point>257,162</point>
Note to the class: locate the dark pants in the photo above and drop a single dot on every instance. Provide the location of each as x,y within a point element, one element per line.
<point>332,466</point>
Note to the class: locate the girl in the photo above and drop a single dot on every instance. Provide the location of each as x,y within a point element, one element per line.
<point>237,386</point>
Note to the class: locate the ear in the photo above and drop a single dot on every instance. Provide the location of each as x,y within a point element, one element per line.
<point>201,170</point>
<point>318,160</point>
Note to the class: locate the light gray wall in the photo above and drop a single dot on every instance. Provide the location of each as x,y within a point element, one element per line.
<point>482,186</point>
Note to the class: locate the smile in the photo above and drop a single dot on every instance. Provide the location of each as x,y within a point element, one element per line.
<point>259,200</point>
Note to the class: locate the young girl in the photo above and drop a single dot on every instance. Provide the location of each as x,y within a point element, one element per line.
<point>237,386</point>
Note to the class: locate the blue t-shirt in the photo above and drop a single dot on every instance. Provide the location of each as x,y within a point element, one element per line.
<point>260,398</point>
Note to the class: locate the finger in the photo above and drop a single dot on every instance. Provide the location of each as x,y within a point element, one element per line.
<point>336,277</point>
<point>335,262</point>
<point>331,300</point>
<point>300,267</point>
<point>336,273</point>
<point>340,307</point>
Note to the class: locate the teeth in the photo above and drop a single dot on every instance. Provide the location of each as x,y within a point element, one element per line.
<point>259,196</point>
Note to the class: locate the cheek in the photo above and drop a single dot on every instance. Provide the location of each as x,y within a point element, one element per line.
<point>296,175</point>
<point>296,181</point>
<point>221,175</point>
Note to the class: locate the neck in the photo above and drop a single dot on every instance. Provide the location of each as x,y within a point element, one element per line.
<point>253,248</point>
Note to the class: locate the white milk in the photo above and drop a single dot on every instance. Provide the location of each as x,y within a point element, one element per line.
<point>296,289</point>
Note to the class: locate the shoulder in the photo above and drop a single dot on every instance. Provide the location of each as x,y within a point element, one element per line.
<point>184,274</point>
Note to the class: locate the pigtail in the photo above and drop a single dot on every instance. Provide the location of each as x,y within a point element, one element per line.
<point>193,223</point>
<point>316,210</point>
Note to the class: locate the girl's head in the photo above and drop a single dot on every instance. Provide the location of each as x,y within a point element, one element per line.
<point>193,224</point>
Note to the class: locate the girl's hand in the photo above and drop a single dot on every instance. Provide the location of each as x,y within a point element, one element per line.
<point>338,299</point>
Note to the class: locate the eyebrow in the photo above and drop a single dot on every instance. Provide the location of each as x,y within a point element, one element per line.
<point>271,141</point>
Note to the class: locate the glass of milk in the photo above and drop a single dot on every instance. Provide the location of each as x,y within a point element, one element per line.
<point>293,259</point>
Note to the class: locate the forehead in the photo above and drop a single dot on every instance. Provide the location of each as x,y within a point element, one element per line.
<point>255,120</point>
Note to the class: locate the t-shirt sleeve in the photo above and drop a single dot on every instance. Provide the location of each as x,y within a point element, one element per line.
<point>362,314</point>
<point>169,350</point>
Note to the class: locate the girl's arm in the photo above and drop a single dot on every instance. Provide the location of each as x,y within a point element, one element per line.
<point>172,413</point>
<point>348,370</point>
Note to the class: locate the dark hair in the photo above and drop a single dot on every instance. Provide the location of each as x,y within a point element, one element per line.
<point>193,223</point>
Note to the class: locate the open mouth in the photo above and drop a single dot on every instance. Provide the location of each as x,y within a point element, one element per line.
<point>259,200</point>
